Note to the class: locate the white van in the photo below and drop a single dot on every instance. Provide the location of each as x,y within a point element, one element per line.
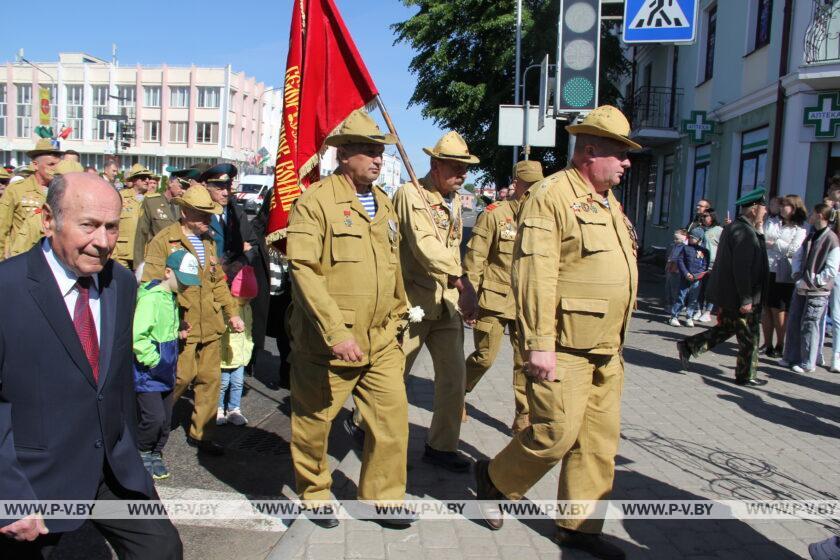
<point>252,190</point>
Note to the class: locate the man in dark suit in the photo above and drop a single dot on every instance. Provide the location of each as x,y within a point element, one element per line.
<point>66,386</point>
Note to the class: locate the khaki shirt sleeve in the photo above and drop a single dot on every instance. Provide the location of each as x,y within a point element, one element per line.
<point>7,213</point>
<point>155,260</point>
<point>418,231</point>
<point>478,248</point>
<point>144,228</point>
<point>304,249</point>
<point>535,270</point>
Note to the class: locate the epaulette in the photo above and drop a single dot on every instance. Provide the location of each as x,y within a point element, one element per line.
<point>153,195</point>
<point>491,207</point>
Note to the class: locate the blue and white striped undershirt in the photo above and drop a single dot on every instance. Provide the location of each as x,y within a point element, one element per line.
<point>198,246</point>
<point>369,202</point>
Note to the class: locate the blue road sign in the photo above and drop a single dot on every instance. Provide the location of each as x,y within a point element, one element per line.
<point>660,21</point>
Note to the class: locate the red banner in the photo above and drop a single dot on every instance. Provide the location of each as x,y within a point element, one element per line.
<point>325,81</point>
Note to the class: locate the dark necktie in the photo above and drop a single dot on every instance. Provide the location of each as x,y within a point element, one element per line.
<point>85,325</point>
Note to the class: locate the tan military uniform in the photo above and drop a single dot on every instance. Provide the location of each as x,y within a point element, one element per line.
<point>346,284</point>
<point>156,213</point>
<point>20,217</point>
<point>428,259</point>
<point>575,281</point>
<point>124,251</point>
<point>206,308</point>
<point>487,263</point>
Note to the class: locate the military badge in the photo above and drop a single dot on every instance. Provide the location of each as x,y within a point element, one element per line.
<point>161,214</point>
<point>392,231</point>
<point>441,218</point>
<point>575,207</point>
<point>347,221</point>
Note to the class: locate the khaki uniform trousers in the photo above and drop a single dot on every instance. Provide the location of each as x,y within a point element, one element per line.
<point>444,338</point>
<point>319,391</point>
<point>199,363</point>
<point>576,419</point>
<point>487,334</point>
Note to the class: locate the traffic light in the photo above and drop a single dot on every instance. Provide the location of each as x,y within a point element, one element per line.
<point>578,55</point>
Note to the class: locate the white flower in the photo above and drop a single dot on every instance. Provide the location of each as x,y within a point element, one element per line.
<point>416,314</point>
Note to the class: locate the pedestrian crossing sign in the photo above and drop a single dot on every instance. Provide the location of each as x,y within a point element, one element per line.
<point>660,21</point>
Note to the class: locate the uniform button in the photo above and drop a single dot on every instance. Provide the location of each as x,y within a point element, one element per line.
<point>99,397</point>
<point>98,444</point>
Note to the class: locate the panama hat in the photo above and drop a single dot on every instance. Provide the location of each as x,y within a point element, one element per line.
<point>197,198</point>
<point>219,173</point>
<point>359,128</point>
<point>607,122</point>
<point>451,146</point>
<point>66,166</point>
<point>529,171</point>
<point>4,174</point>
<point>42,147</point>
<point>136,172</point>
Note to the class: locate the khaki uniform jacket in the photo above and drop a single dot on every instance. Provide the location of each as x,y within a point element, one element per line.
<point>124,251</point>
<point>428,259</point>
<point>206,307</point>
<point>345,268</point>
<point>156,213</point>
<point>20,217</point>
<point>489,257</point>
<point>574,272</point>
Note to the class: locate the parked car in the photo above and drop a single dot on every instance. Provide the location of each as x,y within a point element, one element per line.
<point>252,190</point>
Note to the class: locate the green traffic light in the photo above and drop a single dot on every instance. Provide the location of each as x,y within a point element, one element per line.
<point>578,92</point>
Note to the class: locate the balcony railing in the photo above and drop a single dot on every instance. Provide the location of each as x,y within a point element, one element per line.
<point>655,107</point>
<point>822,38</point>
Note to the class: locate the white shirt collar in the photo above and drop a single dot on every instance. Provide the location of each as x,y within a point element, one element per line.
<point>65,277</point>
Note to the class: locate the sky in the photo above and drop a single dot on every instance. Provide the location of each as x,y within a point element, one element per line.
<point>251,37</point>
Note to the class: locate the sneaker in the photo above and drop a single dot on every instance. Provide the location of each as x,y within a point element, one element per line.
<point>236,418</point>
<point>705,317</point>
<point>784,363</point>
<point>220,417</point>
<point>148,462</point>
<point>696,316</point>
<point>820,360</point>
<point>689,323</point>
<point>159,470</point>
<point>835,363</point>
<point>674,322</point>
<point>799,369</point>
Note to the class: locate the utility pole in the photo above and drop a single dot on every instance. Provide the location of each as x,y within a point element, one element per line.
<point>516,92</point>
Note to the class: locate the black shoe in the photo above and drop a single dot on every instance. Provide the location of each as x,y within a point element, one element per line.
<point>206,446</point>
<point>770,352</point>
<point>400,517</point>
<point>588,542</point>
<point>326,518</point>
<point>485,490</point>
<point>449,460</point>
<point>751,382</point>
<point>684,354</point>
<point>780,350</point>
<point>355,432</point>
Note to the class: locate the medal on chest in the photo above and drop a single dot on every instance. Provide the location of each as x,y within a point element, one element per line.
<point>441,217</point>
<point>455,233</point>
<point>347,221</point>
<point>161,215</point>
<point>212,264</point>
<point>508,230</point>
<point>392,232</point>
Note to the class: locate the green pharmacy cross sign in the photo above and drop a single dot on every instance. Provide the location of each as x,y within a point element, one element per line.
<point>697,127</point>
<point>825,116</point>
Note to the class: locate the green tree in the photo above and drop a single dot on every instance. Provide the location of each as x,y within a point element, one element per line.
<point>465,68</point>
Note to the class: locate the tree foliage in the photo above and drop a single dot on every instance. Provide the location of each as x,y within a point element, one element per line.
<point>465,68</point>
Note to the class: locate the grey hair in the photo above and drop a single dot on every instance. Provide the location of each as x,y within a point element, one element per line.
<point>55,196</point>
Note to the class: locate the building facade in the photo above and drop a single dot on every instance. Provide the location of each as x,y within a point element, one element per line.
<point>173,116</point>
<point>754,102</point>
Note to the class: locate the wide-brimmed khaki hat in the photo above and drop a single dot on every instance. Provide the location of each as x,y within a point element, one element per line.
<point>137,171</point>
<point>451,146</point>
<point>607,122</point>
<point>66,166</point>
<point>4,174</point>
<point>42,147</point>
<point>197,198</point>
<point>359,128</point>
<point>529,171</point>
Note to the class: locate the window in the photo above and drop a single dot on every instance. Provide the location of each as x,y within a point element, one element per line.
<point>178,132</point>
<point>24,111</point>
<point>75,110</point>
<point>229,139</point>
<point>100,107</point>
<point>206,132</point>
<point>127,100</point>
<point>209,97</point>
<point>231,97</point>
<point>179,97</point>
<point>764,15</point>
<point>2,109</point>
<point>151,96</point>
<point>753,170</point>
<point>702,157</point>
<point>711,32</point>
<point>151,131</point>
<point>665,192</point>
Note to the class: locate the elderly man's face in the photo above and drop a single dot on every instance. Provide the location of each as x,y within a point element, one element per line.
<point>196,222</point>
<point>175,188</point>
<point>448,175</point>
<point>219,192</point>
<point>45,168</point>
<point>86,233</point>
<point>140,184</point>
<point>110,172</point>
<point>361,163</point>
<point>608,162</point>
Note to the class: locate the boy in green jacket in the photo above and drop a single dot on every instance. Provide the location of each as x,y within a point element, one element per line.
<point>157,328</point>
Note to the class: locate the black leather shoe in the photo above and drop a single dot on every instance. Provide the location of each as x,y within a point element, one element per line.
<point>399,517</point>
<point>206,446</point>
<point>326,518</point>
<point>449,460</point>
<point>588,542</point>
<point>486,491</point>
<point>355,432</point>
<point>751,382</point>
<point>684,354</point>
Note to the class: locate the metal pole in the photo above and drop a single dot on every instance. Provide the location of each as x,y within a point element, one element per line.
<point>525,129</point>
<point>516,97</point>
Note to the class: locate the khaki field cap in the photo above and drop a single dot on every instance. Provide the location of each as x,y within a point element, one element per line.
<point>42,147</point>
<point>197,198</point>
<point>136,172</point>
<point>359,128</point>
<point>607,122</point>
<point>452,147</point>
<point>66,166</point>
<point>528,171</point>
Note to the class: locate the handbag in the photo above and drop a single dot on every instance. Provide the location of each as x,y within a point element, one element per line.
<point>784,270</point>
<point>244,284</point>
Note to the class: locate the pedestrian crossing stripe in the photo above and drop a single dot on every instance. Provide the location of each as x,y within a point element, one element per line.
<point>659,14</point>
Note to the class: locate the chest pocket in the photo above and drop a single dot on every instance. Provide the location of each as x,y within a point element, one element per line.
<point>596,231</point>
<point>347,242</point>
<point>506,246</point>
<point>536,235</point>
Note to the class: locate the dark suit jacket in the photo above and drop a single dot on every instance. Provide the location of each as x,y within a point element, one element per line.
<point>236,230</point>
<point>741,272</point>
<point>57,426</point>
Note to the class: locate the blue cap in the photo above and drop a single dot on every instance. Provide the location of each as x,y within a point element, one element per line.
<point>185,267</point>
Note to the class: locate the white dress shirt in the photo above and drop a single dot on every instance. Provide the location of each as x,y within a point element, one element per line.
<point>66,280</point>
